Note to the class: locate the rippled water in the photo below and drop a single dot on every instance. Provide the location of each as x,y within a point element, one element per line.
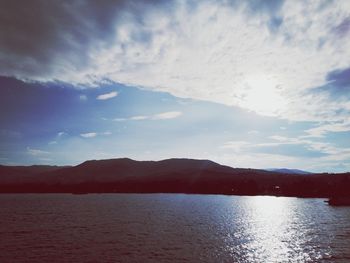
<point>171,228</point>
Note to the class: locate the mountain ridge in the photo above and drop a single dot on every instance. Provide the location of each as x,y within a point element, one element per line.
<point>176,175</point>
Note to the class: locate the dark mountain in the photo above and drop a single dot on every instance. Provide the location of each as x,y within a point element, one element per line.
<point>24,173</point>
<point>171,176</point>
<point>288,171</point>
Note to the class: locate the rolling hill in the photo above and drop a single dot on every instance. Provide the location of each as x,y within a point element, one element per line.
<point>168,176</point>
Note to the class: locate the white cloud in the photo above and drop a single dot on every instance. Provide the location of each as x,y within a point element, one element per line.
<point>36,152</point>
<point>263,160</point>
<point>88,135</point>
<point>139,118</point>
<point>94,134</point>
<point>60,134</point>
<point>280,138</point>
<point>120,119</point>
<point>166,115</point>
<point>243,154</point>
<point>235,59</point>
<point>321,130</point>
<point>321,147</point>
<point>218,52</point>
<point>159,116</point>
<point>107,95</point>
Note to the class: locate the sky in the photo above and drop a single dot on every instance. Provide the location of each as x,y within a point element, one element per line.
<point>259,84</point>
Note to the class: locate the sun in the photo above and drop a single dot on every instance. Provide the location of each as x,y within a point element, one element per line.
<point>262,94</point>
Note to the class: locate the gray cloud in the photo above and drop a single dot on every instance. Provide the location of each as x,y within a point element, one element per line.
<point>36,35</point>
<point>42,39</point>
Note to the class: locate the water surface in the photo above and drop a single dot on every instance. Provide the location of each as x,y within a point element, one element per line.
<point>171,228</point>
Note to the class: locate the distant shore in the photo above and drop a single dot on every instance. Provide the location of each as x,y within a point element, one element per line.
<point>187,176</point>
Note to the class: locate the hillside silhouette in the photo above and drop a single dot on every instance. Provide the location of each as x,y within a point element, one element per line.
<point>168,176</point>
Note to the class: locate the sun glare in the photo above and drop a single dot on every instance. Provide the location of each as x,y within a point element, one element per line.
<point>271,224</point>
<point>262,94</point>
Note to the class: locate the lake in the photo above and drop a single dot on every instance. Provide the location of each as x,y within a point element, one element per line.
<point>171,228</point>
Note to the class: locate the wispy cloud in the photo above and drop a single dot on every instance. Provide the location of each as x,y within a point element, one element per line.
<point>159,116</point>
<point>88,135</point>
<point>166,115</point>
<point>36,152</point>
<point>326,148</point>
<point>107,96</point>
<point>248,154</point>
<point>139,118</point>
<point>322,129</point>
<point>60,134</point>
<point>94,134</point>
<point>121,119</point>
<point>322,147</point>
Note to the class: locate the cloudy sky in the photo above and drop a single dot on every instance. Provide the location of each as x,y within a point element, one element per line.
<point>253,83</point>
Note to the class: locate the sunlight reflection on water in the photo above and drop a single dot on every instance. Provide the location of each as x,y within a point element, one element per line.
<point>171,228</point>
<point>276,231</point>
